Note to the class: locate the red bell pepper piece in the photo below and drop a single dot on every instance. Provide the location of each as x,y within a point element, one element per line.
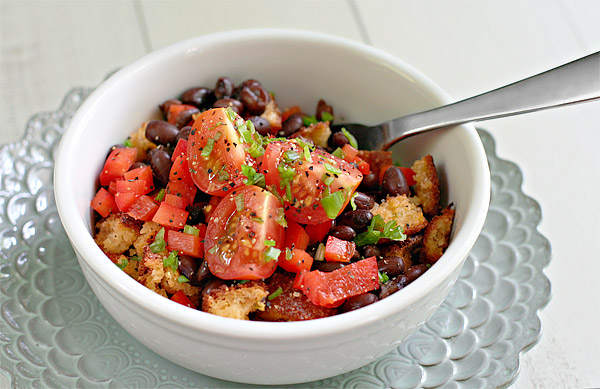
<point>362,165</point>
<point>141,173</point>
<point>180,149</point>
<point>177,201</point>
<point>144,208</point>
<point>182,189</point>
<point>125,200</point>
<point>299,261</point>
<point>137,187</point>
<point>168,215</point>
<point>104,203</point>
<point>185,243</point>
<point>181,298</point>
<point>329,289</point>
<point>350,152</point>
<point>117,164</point>
<point>180,171</point>
<point>338,250</point>
<point>318,232</point>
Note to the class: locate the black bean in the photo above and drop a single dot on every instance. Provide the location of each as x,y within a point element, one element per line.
<point>392,286</point>
<point>203,273</point>
<point>188,267</point>
<point>224,87</point>
<point>292,124</point>
<point>358,219</point>
<point>237,91</point>
<point>392,266</point>
<point>255,98</point>
<point>322,106</point>
<point>184,133</point>
<point>414,272</point>
<point>236,105</point>
<point>199,97</point>
<point>196,213</point>
<point>161,132</point>
<point>394,183</point>
<point>183,118</point>
<point>328,266</point>
<point>164,107</point>
<point>369,183</point>
<point>339,139</point>
<point>160,161</point>
<point>136,165</point>
<point>262,125</point>
<point>363,201</point>
<point>343,232</point>
<point>371,251</point>
<point>355,302</point>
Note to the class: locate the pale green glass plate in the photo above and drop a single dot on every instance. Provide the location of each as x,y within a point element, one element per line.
<point>55,333</point>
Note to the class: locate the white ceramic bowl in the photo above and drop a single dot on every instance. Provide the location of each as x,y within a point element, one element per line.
<point>363,85</point>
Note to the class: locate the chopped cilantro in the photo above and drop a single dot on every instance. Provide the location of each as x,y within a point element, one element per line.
<point>182,279</point>
<point>383,278</point>
<point>172,260</point>
<point>277,292</point>
<point>160,195</point>
<point>159,243</point>
<point>326,116</point>
<point>128,143</point>
<point>379,230</point>
<point>269,242</point>
<point>339,153</point>
<point>122,263</point>
<point>191,230</point>
<point>333,203</point>
<point>308,120</point>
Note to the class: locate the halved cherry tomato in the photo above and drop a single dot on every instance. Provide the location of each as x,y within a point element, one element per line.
<point>104,203</point>
<point>181,298</point>
<point>318,232</point>
<point>170,216</point>
<point>143,208</point>
<point>338,250</point>
<point>217,152</point>
<point>243,238</point>
<point>298,261</point>
<point>295,238</point>
<point>117,163</point>
<point>330,289</point>
<point>184,243</point>
<point>305,181</point>
<point>180,171</point>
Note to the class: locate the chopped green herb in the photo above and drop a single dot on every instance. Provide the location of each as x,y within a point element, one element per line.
<point>134,258</point>
<point>286,174</point>
<point>252,177</point>
<point>332,169</point>
<point>333,203</point>
<point>352,202</point>
<point>290,156</point>
<point>308,120</point>
<point>182,279</point>
<point>326,116</point>
<point>239,202</point>
<point>339,153</point>
<point>231,115</point>
<point>213,250</point>
<point>383,278</point>
<point>351,138</point>
<point>327,179</point>
<point>256,150</point>
<point>307,156</point>
<point>122,263</point>
<point>302,143</point>
<point>223,174</point>
<point>210,143</point>
<point>250,126</point>
<point>269,242</point>
<point>242,282</point>
<point>160,195</point>
<point>378,229</point>
<point>275,294</point>
<point>288,191</point>
<point>280,218</point>
<point>191,230</point>
<point>288,254</point>
<point>172,260</point>
<point>272,254</point>
<point>128,143</point>
<point>159,243</point>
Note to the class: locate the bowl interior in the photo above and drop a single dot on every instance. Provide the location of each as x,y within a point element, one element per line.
<point>361,83</point>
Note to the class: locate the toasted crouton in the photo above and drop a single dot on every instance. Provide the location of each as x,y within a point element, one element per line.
<point>145,237</point>
<point>273,115</point>
<point>138,139</point>
<point>403,249</point>
<point>116,233</point>
<point>399,208</point>
<point>376,159</point>
<point>427,185</point>
<point>318,132</point>
<point>291,304</point>
<point>151,271</point>
<point>437,236</point>
<point>236,301</point>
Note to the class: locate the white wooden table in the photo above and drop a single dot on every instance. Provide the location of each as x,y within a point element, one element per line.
<point>467,46</point>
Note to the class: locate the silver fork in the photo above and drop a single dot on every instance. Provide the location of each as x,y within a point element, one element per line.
<point>574,82</point>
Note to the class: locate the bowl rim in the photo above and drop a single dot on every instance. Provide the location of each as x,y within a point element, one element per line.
<point>163,309</point>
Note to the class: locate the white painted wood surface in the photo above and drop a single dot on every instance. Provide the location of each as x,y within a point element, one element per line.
<point>467,46</point>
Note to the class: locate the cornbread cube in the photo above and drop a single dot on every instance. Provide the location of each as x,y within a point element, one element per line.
<point>318,132</point>
<point>116,233</point>
<point>427,185</point>
<point>145,238</point>
<point>151,271</point>
<point>273,115</point>
<point>376,159</point>
<point>236,301</point>
<point>138,139</point>
<point>406,214</point>
<point>437,236</point>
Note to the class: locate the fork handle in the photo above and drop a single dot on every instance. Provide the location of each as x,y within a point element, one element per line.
<point>574,82</point>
